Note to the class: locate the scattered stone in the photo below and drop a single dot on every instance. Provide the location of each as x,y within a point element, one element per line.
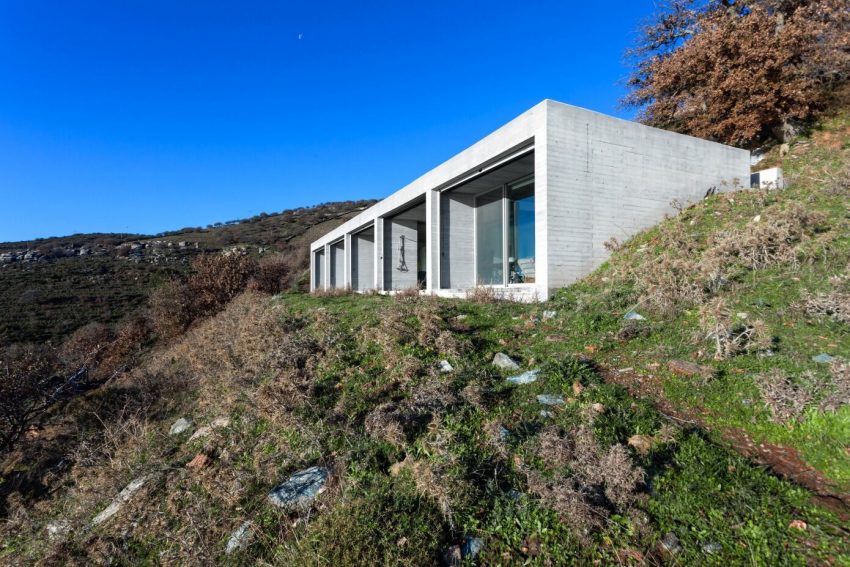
<point>824,358</point>
<point>633,316</point>
<point>471,547</point>
<point>598,408</point>
<point>504,433</point>
<point>549,314</point>
<point>200,461</point>
<point>577,388</point>
<point>524,378</point>
<point>642,443</point>
<point>798,525</point>
<point>123,497</point>
<point>300,489</point>
<point>239,538</point>
<point>670,544</point>
<point>58,529</point>
<point>461,317</point>
<point>712,548</point>
<point>550,399</point>
<point>444,366</point>
<point>505,362</point>
<point>690,369</point>
<point>204,431</point>
<point>546,414</point>
<point>180,426</point>
<point>555,338</point>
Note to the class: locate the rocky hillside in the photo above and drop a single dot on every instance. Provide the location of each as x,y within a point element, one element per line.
<point>688,403</point>
<point>52,286</point>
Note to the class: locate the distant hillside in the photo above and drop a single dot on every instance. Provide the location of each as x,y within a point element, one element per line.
<point>49,287</point>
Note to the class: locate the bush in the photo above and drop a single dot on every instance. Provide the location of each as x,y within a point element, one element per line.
<point>274,274</point>
<point>29,384</point>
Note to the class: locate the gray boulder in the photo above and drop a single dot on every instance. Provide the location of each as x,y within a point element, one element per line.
<point>504,362</point>
<point>300,489</point>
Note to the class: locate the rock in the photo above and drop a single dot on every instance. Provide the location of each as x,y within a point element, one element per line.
<point>444,366</point>
<point>505,362</point>
<point>598,408</point>
<point>633,316</point>
<point>239,538</point>
<point>798,525</point>
<point>690,369</point>
<point>204,431</point>
<point>524,378</point>
<point>546,414</point>
<point>823,358</point>
<point>549,314</point>
<point>460,317</point>
<point>712,548</point>
<point>670,544</point>
<point>550,399</point>
<point>123,497</point>
<point>201,432</point>
<point>300,489</point>
<point>642,443</point>
<point>577,388</point>
<point>504,433</point>
<point>58,529</point>
<point>471,547</point>
<point>200,461</point>
<point>180,426</point>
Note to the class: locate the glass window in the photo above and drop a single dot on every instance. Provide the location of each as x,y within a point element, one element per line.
<point>521,231</point>
<point>488,239</point>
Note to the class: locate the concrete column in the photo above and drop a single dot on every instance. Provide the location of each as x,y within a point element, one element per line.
<point>326,274</point>
<point>379,253</point>
<point>432,240</point>
<point>347,256</point>
<point>541,216</point>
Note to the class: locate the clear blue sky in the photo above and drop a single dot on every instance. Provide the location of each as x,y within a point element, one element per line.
<point>144,116</point>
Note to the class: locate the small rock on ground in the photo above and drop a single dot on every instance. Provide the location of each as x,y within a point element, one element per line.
<point>549,314</point>
<point>689,369</point>
<point>633,316</point>
<point>217,423</point>
<point>524,378</point>
<point>550,399</point>
<point>58,529</point>
<point>300,489</point>
<point>445,366</point>
<point>505,362</point>
<point>670,544</point>
<point>239,538</point>
<point>123,497</point>
<point>823,358</point>
<point>179,426</point>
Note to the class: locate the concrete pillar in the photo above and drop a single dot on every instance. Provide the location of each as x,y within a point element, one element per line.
<point>379,253</point>
<point>347,261</point>
<point>326,274</point>
<point>432,240</point>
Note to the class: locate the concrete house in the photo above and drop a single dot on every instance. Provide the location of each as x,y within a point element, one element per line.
<point>527,209</point>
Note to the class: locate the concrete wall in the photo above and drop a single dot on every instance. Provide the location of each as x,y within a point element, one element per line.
<point>363,260</point>
<point>607,177</point>
<point>337,266</point>
<point>394,277</point>
<point>457,241</point>
<point>319,269</point>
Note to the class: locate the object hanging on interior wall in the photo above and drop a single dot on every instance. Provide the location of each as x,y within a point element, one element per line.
<point>402,263</point>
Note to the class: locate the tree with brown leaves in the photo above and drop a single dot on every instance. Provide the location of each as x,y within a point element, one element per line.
<point>740,71</point>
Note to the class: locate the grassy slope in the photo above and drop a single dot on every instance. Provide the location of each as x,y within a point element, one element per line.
<point>300,377</point>
<point>49,299</point>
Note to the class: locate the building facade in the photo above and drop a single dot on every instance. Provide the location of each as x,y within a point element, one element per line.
<point>527,209</point>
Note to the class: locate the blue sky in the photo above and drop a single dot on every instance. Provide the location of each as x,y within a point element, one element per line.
<point>144,116</point>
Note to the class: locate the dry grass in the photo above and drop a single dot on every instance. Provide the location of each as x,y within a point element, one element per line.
<point>598,482</point>
<point>729,335</point>
<point>834,304</point>
<point>788,397</point>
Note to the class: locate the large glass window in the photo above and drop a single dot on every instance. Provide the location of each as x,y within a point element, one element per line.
<point>520,202</point>
<point>488,239</point>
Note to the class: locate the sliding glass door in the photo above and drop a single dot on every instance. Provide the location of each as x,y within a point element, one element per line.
<point>489,238</point>
<point>504,234</point>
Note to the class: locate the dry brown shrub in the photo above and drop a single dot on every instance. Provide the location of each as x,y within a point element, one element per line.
<point>774,239</point>
<point>395,423</point>
<point>85,347</point>
<point>837,393</point>
<point>599,482</point>
<point>274,274</point>
<point>788,398</point>
<point>482,294</point>
<point>171,308</point>
<point>730,336</point>
<point>218,278</point>
<point>834,304</point>
<point>668,283</point>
